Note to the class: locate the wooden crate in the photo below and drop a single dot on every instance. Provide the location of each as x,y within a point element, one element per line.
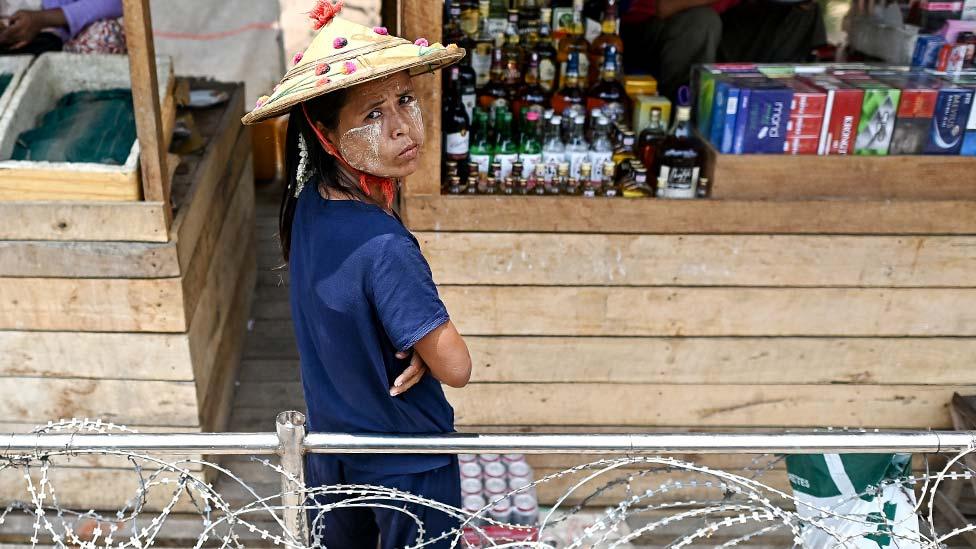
<point>145,334</point>
<point>808,292</point>
<point>49,78</point>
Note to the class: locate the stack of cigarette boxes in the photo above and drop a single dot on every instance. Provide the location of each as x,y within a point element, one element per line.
<point>835,109</point>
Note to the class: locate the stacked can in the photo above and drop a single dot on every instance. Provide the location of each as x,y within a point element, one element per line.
<point>489,480</point>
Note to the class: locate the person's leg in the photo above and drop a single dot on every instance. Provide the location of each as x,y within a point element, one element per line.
<point>398,529</point>
<point>668,48</point>
<point>765,32</point>
<point>353,528</point>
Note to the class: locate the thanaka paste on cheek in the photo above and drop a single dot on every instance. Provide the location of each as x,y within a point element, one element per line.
<point>361,149</point>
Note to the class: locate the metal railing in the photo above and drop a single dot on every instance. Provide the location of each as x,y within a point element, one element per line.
<point>291,442</point>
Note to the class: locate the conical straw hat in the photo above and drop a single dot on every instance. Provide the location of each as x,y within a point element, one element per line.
<point>344,54</point>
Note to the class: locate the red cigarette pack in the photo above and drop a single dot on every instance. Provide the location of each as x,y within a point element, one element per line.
<point>842,113</point>
<point>806,117</point>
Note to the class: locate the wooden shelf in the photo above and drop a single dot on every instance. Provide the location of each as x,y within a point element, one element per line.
<point>709,216</point>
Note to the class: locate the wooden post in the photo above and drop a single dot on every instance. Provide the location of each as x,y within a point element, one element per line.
<point>145,99</point>
<point>418,20</point>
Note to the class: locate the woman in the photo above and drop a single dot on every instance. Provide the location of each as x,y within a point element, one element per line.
<point>82,26</point>
<point>369,323</point>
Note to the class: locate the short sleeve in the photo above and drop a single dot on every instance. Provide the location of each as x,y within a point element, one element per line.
<point>403,293</point>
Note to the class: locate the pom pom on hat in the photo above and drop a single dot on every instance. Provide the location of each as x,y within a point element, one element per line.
<point>348,67</point>
<point>261,101</point>
<point>422,42</point>
<point>321,69</point>
<point>323,12</point>
<point>339,43</point>
<point>381,30</point>
<point>297,58</point>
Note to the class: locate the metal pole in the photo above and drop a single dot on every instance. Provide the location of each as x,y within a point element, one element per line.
<point>657,443</point>
<point>290,427</point>
<point>141,443</point>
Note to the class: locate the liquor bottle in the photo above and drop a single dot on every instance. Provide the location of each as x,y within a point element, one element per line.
<point>512,52</point>
<point>553,150</point>
<point>505,151</point>
<point>532,95</point>
<point>454,185</point>
<point>479,149</point>
<point>537,182</point>
<point>491,186</point>
<point>704,189</point>
<point>589,188</point>
<point>567,184</point>
<point>561,20</point>
<point>680,159</point>
<point>551,187</point>
<point>450,170</point>
<point>608,186</point>
<point>635,184</point>
<point>471,188</point>
<point>508,187</point>
<point>547,54</point>
<point>569,95</point>
<point>468,85</point>
<point>498,16</point>
<point>522,186</point>
<point>469,17</point>
<point>624,151</point>
<point>577,150</point>
<point>650,138</point>
<point>494,96</point>
<point>452,28</point>
<point>574,43</point>
<point>456,124</point>
<point>474,176</point>
<point>609,94</point>
<point>601,149</point>
<point>609,35</point>
<point>529,14</point>
<point>496,168</point>
<point>587,172</point>
<point>530,149</point>
<point>483,44</point>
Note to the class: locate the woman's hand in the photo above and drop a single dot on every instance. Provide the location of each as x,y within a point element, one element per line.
<point>411,376</point>
<point>25,25</point>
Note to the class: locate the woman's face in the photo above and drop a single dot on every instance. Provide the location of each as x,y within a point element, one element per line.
<point>380,129</point>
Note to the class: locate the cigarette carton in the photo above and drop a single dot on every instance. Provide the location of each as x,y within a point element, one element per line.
<point>948,128</point>
<point>728,88</point>
<point>927,48</point>
<point>841,114</point>
<point>764,112</point>
<point>915,111</point>
<point>806,117</point>
<point>879,111</point>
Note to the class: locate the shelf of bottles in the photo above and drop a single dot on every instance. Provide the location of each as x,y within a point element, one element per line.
<point>537,109</point>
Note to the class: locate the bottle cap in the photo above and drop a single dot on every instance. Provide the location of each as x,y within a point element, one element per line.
<point>580,119</point>
<point>532,116</point>
<point>556,120</point>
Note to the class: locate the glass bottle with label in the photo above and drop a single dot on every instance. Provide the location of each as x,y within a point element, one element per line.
<point>530,149</point>
<point>512,52</point>
<point>577,151</point>
<point>650,139</point>
<point>570,94</point>
<point>522,185</point>
<point>553,150</point>
<point>601,150</point>
<point>468,83</point>
<point>450,170</point>
<point>567,184</point>
<point>452,24</point>
<point>529,18</point>
<point>494,96</point>
<point>454,185</point>
<point>479,150</point>
<point>609,94</point>
<point>538,182</point>
<point>508,188</point>
<point>608,185</point>
<point>609,35</point>
<point>680,159</point>
<point>635,185</point>
<point>455,121</point>
<point>574,43</point>
<point>469,17</point>
<point>474,177</point>
<point>561,20</point>
<point>547,54</point>
<point>505,151</point>
<point>483,44</point>
<point>491,186</point>
<point>532,95</point>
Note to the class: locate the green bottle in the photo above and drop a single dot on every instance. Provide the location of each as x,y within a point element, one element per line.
<point>480,149</point>
<point>505,150</point>
<point>530,149</point>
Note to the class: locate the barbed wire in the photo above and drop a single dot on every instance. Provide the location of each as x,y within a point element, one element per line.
<point>686,509</point>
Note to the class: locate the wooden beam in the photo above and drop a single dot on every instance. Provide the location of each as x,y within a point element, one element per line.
<point>421,19</point>
<point>76,221</point>
<point>717,360</point>
<point>679,311</point>
<point>648,215</point>
<point>584,404</point>
<point>53,259</point>
<point>558,259</point>
<point>145,100</point>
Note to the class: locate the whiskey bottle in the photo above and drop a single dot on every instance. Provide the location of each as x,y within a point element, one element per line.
<point>494,96</point>
<point>509,186</point>
<point>548,68</point>
<point>523,186</point>
<point>680,159</point>
<point>483,44</point>
<point>454,185</point>
<point>650,139</point>
<point>609,94</point>
<point>608,185</point>
<point>491,185</point>
<point>567,184</point>
<point>575,42</point>
<point>512,53</point>
<point>532,97</point>
<point>609,36</point>
<point>570,94</point>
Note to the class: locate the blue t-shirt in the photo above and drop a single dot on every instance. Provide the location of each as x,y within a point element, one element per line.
<point>360,291</point>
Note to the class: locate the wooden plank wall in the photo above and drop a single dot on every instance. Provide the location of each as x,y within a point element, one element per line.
<point>143,334</point>
<point>678,330</point>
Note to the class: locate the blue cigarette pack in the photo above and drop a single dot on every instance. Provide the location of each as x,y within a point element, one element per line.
<point>969,137</point>
<point>726,107</point>
<point>948,128</point>
<point>762,118</point>
<point>926,51</point>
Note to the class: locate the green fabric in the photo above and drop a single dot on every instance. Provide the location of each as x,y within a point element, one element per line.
<point>5,81</point>
<point>85,126</point>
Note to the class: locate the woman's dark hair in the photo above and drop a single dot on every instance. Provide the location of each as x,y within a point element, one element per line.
<point>324,109</point>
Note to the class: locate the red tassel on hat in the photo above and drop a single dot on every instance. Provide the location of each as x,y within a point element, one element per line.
<point>323,12</point>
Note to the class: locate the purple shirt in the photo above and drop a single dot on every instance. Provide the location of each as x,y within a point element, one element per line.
<point>81,13</point>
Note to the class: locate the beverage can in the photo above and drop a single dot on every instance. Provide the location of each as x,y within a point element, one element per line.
<point>511,458</point>
<point>471,470</point>
<point>470,486</point>
<point>486,458</point>
<point>501,511</point>
<point>495,487</point>
<point>473,505</point>
<point>519,483</point>
<point>494,469</point>
<point>468,458</point>
<point>519,469</point>
<point>525,510</point>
